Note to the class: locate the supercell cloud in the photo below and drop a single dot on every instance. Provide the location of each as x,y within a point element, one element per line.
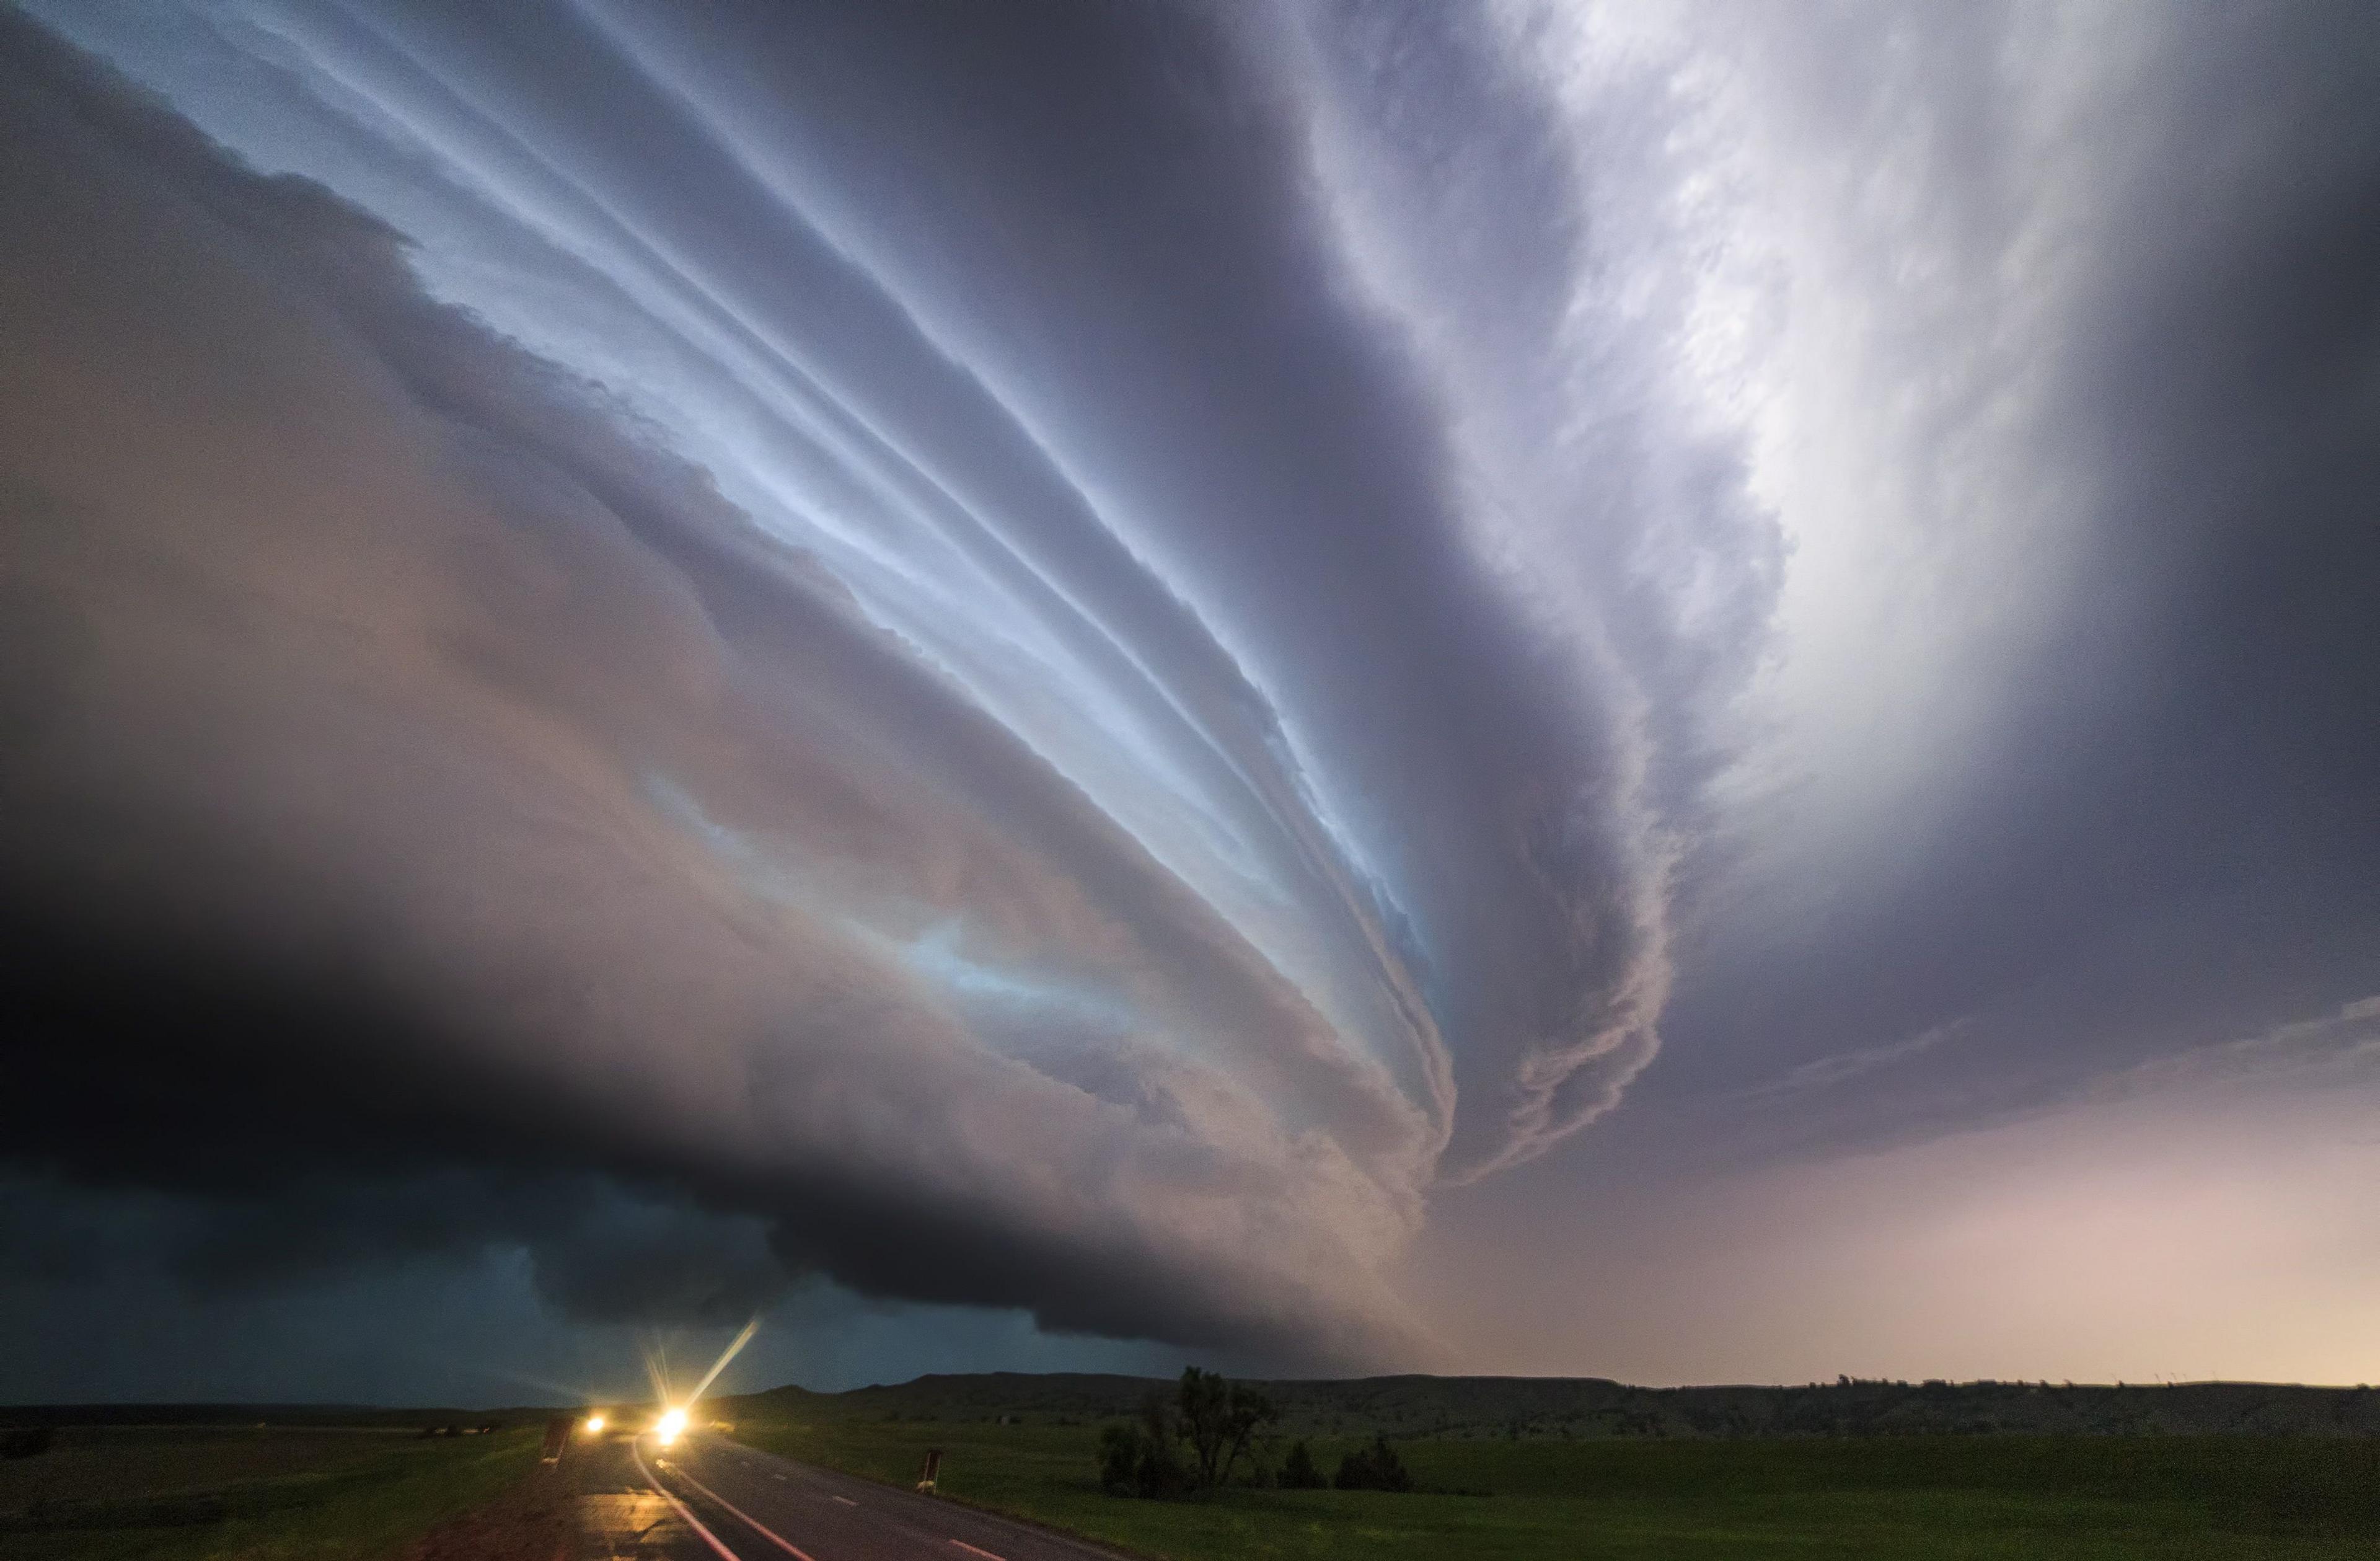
<point>1078,658</point>
<point>690,701</point>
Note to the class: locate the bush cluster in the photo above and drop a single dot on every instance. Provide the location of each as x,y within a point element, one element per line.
<point>1376,1468</point>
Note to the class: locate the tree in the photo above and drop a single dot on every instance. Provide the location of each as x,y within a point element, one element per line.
<point>1119,1459</point>
<point>1376,1468</point>
<point>1220,1420</point>
<point>1139,1459</point>
<point>1299,1471</point>
<point>1160,1472</point>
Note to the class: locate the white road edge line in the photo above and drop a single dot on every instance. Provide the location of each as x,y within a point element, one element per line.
<point>845,1500</point>
<point>789,1546</point>
<point>971,1550</point>
<point>683,1511</point>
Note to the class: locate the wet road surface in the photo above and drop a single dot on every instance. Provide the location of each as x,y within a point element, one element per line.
<point>708,1498</point>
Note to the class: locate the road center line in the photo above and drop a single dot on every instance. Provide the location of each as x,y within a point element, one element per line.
<point>971,1550</point>
<point>683,1511</point>
<point>789,1546</point>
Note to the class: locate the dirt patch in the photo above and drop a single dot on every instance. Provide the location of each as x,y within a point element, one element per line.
<point>535,1520</point>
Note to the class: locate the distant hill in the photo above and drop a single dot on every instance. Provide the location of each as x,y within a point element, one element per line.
<point>1408,1407</point>
<point>280,1415</point>
<point>1536,1408</point>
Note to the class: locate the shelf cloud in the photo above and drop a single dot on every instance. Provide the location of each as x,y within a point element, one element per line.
<point>1082,658</point>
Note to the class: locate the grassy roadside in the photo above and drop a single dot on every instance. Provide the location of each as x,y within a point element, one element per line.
<point>169,1507</point>
<point>1971,1498</point>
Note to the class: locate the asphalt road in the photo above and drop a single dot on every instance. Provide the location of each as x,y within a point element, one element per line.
<point>708,1498</point>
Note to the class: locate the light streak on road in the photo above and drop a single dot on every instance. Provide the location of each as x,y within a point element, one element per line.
<point>788,1546</point>
<point>683,1511</point>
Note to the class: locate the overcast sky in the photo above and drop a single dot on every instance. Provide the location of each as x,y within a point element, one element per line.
<point>1680,693</point>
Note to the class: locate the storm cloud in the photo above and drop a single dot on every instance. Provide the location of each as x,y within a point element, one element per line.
<point>415,767</point>
<point>1133,662</point>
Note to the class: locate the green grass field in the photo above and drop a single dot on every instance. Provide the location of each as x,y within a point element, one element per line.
<point>210,1493</point>
<point>1921,1497</point>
